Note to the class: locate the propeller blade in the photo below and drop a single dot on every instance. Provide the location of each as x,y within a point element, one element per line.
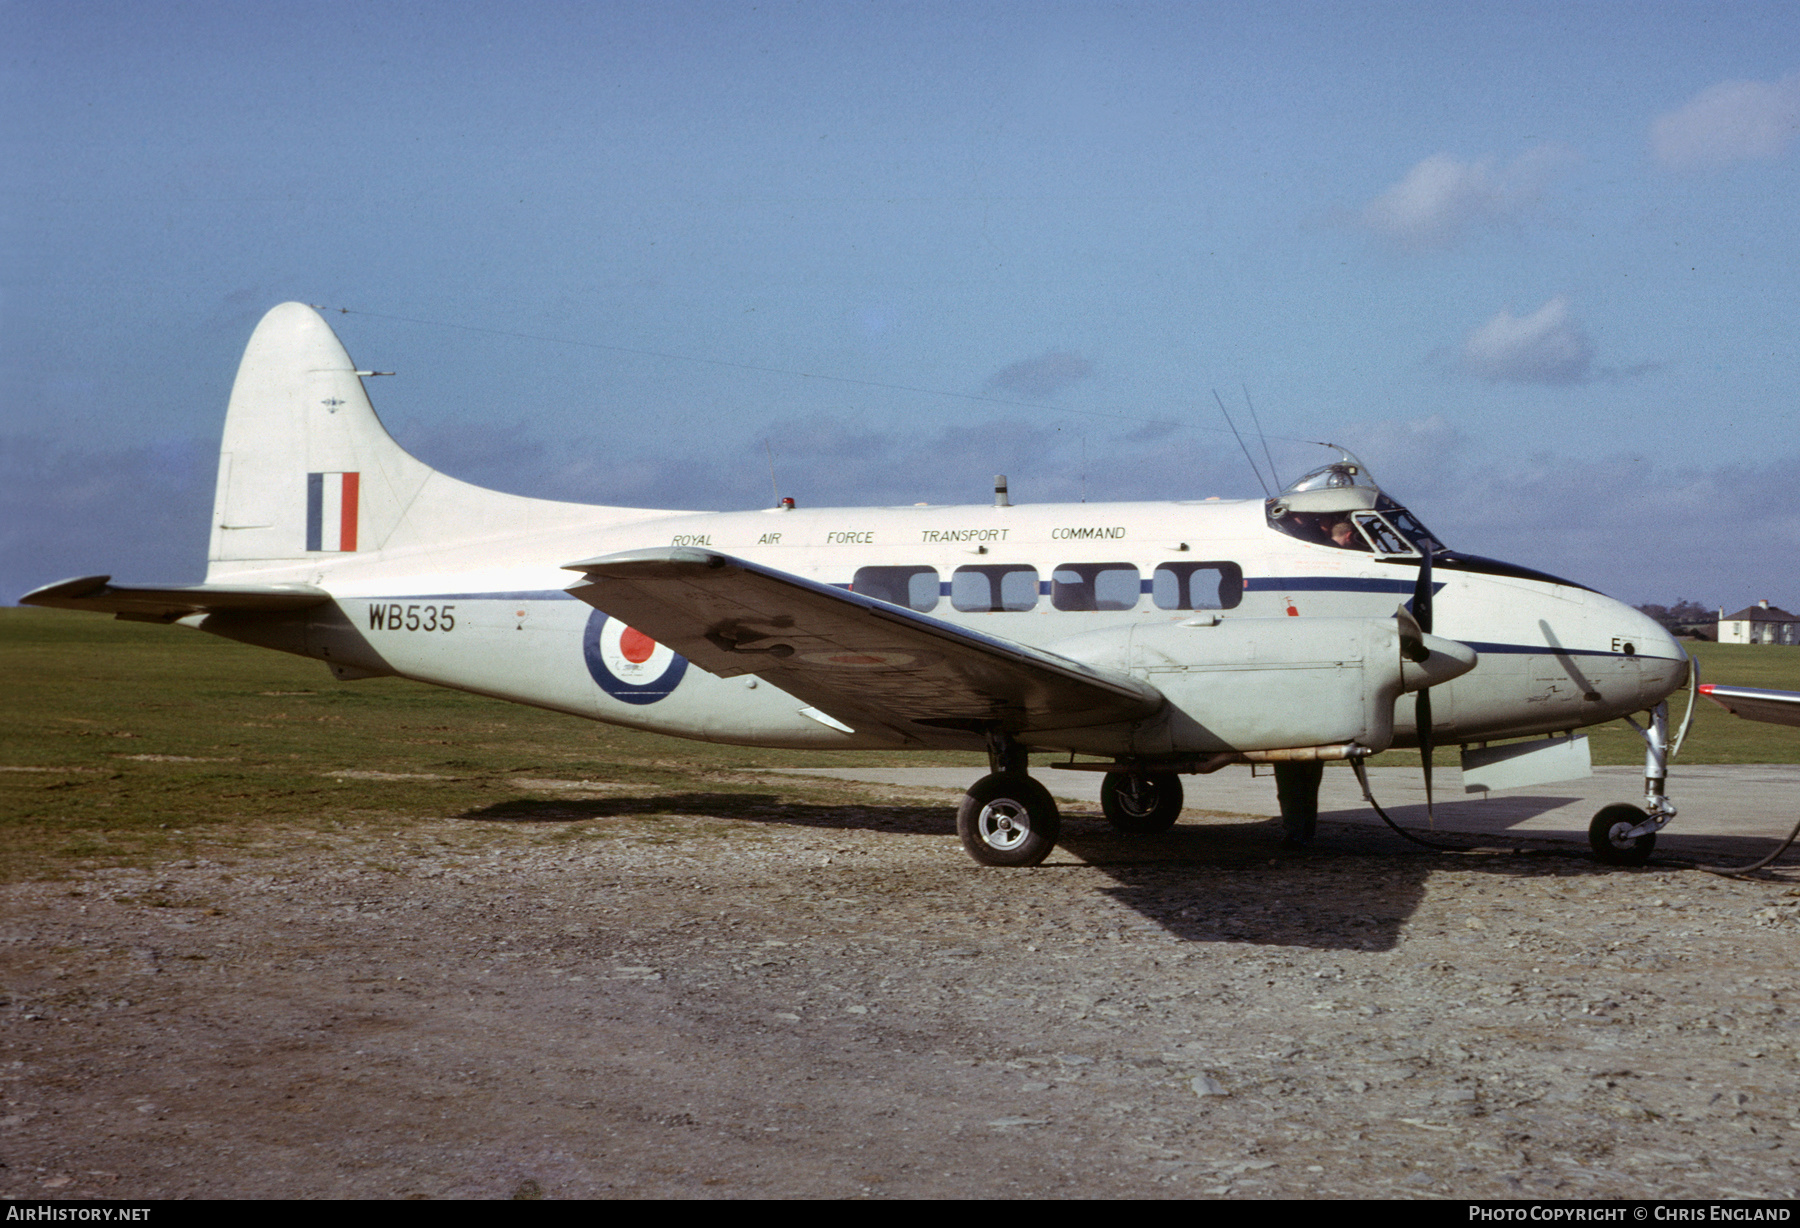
<point>1422,718</point>
<point>1421,602</point>
<point>1422,613</point>
<point>1412,636</point>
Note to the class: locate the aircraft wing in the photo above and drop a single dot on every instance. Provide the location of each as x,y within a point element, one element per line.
<point>165,605</point>
<point>1755,704</point>
<point>856,658</point>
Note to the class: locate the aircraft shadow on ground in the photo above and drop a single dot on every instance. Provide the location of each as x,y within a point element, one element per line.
<point>1494,822</point>
<point>1220,880</point>
<point>743,807</point>
<point>1467,816</point>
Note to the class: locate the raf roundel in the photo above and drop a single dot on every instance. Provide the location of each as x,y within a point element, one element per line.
<point>629,665</point>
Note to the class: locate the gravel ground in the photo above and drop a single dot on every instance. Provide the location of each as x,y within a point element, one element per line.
<point>822,997</point>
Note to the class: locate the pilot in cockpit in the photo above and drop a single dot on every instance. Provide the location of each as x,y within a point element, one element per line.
<point>1343,534</point>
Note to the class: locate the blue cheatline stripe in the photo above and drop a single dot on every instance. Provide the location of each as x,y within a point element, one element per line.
<point>1329,584</point>
<point>315,511</point>
<point>1545,650</point>
<point>529,594</point>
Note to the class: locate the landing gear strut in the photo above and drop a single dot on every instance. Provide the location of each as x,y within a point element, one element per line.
<point>1624,835</point>
<point>1007,818</point>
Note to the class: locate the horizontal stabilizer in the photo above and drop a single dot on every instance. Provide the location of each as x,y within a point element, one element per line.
<point>1755,703</point>
<point>859,659</point>
<point>165,605</point>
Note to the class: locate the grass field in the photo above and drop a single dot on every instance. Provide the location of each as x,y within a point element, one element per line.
<point>121,742</point>
<point>124,742</point>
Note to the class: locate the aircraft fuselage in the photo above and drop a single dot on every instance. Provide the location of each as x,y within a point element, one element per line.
<point>1553,656</point>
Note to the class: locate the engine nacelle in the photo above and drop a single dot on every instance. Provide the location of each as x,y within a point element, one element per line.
<point>1240,684</point>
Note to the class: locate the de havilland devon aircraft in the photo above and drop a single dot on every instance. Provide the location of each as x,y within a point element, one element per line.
<point>1145,640</point>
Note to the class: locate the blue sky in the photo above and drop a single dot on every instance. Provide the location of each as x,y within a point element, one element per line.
<point>1536,263</point>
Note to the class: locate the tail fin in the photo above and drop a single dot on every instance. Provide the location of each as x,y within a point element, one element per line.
<point>309,479</point>
<point>306,469</point>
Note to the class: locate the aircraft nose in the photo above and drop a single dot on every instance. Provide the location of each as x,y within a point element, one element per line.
<point>1661,659</point>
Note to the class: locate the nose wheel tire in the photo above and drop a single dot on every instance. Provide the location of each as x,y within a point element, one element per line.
<point>1606,834</point>
<point>1141,804</point>
<point>1008,819</point>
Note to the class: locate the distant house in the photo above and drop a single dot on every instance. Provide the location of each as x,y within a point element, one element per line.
<point>1761,623</point>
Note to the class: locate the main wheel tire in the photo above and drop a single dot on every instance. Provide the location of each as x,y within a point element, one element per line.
<point>1008,819</point>
<point>1606,835</point>
<point>1141,804</point>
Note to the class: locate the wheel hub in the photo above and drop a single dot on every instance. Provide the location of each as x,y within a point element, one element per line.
<point>1005,824</point>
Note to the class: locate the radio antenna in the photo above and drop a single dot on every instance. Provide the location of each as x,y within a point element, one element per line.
<point>1267,494</point>
<point>772,483</point>
<point>1261,436</point>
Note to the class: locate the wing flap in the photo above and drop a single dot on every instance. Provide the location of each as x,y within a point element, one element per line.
<point>849,655</point>
<point>165,605</point>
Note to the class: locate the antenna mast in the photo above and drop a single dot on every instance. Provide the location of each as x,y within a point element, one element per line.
<point>1267,493</point>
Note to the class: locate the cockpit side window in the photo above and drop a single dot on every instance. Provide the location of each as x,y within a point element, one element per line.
<point>1335,529</point>
<point>1382,534</point>
<point>1391,531</point>
<point>1410,528</point>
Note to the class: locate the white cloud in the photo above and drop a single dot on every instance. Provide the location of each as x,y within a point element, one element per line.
<point>1546,347</point>
<point>1442,199</point>
<point>1729,122</point>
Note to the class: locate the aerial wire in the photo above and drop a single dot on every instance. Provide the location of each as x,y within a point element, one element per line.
<point>1260,435</point>
<point>748,366</point>
<point>1267,493</point>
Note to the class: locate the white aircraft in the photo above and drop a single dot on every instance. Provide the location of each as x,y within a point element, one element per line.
<point>1145,640</point>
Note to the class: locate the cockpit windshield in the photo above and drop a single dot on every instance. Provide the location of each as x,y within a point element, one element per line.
<point>1339,505</point>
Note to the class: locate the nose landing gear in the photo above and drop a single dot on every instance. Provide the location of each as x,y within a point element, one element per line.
<point>1610,836</point>
<point>1624,835</point>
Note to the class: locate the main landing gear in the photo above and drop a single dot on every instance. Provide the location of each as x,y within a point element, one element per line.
<point>1007,818</point>
<point>1141,803</point>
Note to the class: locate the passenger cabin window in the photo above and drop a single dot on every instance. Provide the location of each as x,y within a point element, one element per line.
<point>994,587</point>
<point>916,588</point>
<point>1094,586</point>
<point>1197,586</point>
